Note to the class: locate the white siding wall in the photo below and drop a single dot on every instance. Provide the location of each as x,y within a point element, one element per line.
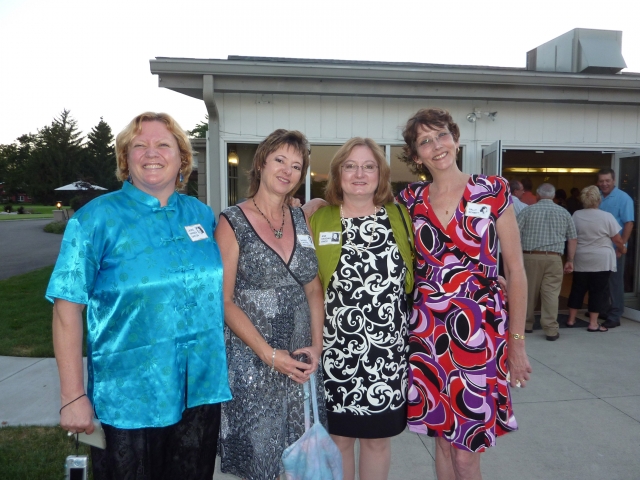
<point>333,120</point>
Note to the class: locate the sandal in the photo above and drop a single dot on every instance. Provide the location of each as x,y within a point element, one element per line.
<point>570,325</point>
<point>599,329</point>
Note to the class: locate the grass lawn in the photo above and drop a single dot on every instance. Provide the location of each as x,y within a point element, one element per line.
<point>25,217</point>
<point>37,211</point>
<point>25,330</point>
<point>35,453</point>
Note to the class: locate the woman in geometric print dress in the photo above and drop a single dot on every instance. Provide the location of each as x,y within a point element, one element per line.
<point>462,344</point>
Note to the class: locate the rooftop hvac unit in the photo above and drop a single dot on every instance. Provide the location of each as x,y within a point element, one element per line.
<point>581,50</point>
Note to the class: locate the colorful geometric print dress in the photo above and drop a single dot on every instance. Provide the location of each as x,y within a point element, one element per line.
<point>459,327</point>
<point>266,414</point>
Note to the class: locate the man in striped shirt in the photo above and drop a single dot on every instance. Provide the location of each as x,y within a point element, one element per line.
<point>544,227</point>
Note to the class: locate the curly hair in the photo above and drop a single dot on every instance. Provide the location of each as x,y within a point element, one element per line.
<point>431,118</point>
<point>590,197</point>
<point>126,136</point>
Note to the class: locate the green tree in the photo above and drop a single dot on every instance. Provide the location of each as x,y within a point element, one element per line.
<point>13,164</point>
<point>201,129</point>
<point>99,166</point>
<point>55,159</point>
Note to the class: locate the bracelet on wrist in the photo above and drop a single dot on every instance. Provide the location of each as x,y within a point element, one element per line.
<point>517,336</point>
<point>273,360</point>
<point>83,395</point>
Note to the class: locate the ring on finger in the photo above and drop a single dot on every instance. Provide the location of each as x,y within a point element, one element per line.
<point>518,384</point>
<point>290,375</point>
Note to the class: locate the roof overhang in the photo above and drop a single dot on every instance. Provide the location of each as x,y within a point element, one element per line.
<point>400,80</point>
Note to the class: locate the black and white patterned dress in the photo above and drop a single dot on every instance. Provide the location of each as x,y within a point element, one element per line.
<point>365,333</point>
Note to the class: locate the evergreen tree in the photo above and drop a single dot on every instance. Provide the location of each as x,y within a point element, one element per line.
<point>100,162</point>
<point>201,129</point>
<point>55,159</point>
<point>13,164</point>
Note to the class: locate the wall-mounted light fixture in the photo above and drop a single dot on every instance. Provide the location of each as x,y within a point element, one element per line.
<point>477,114</point>
<point>233,158</point>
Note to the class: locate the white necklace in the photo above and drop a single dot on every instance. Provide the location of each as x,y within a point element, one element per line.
<point>345,226</point>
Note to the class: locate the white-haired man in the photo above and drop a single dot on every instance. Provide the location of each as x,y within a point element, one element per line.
<point>517,190</point>
<point>544,228</point>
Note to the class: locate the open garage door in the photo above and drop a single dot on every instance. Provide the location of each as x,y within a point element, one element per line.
<point>492,159</point>
<point>628,180</point>
<point>492,165</point>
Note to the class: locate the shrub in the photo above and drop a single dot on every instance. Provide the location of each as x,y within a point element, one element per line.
<point>8,208</point>
<point>76,202</point>
<point>21,210</point>
<point>55,227</point>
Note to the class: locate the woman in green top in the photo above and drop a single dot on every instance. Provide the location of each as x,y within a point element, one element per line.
<point>364,246</point>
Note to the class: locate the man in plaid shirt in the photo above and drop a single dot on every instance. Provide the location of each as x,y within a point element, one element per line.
<point>544,227</point>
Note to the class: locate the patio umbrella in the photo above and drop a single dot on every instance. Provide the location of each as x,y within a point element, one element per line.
<point>80,185</point>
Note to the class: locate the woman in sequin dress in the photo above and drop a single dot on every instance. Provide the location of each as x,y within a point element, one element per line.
<point>462,343</point>
<point>273,311</point>
<point>364,247</point>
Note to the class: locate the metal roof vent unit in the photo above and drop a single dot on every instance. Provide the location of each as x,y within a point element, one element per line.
<point>581,50</point>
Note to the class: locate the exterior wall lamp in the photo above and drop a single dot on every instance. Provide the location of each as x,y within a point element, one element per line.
<point>478,114</point>
<point>233,158</point>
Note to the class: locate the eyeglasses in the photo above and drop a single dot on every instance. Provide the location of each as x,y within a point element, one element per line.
<point>353,168</point>
<point>441,138</point>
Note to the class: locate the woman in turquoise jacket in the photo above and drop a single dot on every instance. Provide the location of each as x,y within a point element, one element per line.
<point>364,245</point>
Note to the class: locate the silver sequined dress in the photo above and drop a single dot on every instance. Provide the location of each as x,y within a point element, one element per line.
<point>266,413</point>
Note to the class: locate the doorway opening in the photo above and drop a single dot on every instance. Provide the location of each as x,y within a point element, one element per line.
<point>567,170</point>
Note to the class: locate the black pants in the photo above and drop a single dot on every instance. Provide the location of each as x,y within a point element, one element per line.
<point>184,451</point>
<point>597,284</point>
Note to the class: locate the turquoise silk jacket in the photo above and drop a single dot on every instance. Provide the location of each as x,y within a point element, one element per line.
<point>151,278</point>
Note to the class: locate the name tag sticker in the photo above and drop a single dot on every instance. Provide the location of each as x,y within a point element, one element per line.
<point>477,210</point>
<point>305,241</point>
<point>329,238</point>
<point>196,232</point>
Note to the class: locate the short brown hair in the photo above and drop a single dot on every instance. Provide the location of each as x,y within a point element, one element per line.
<point>607,171</point>
<point>281,137</point>
<point>431,118</point>
<point>126,136</point>
<point>590,197</point>
<point>333,191</point>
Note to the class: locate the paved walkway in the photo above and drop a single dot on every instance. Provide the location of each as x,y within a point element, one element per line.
<point>26,246</point>
<point>579,416</point>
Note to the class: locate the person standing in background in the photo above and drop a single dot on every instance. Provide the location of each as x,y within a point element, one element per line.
<point>544,227</point>
<point>595,258</point>
<point>517,190</point>
<point>620,205</point>
<point>528,196</point>
<point>573,202</point>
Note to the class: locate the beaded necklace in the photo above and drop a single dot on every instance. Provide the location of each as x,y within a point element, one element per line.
<point>277,233</point>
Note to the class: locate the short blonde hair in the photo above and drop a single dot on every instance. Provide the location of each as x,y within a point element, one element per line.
<point>279,138</point>
<point>590,197</point>
<point>126,136</point>
<point>333,191</point>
